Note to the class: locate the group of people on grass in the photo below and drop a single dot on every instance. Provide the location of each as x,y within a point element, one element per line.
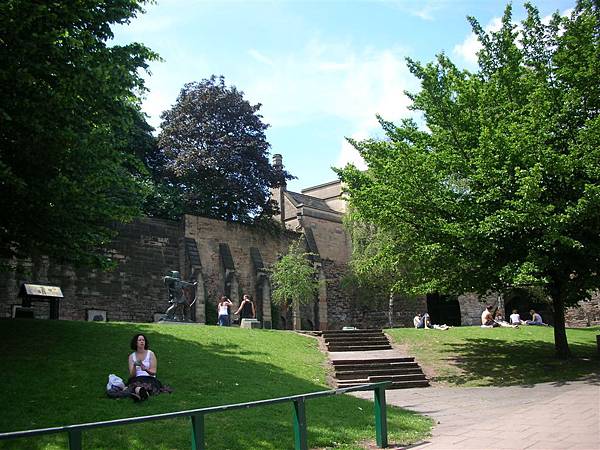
<point>491,319</point>
<point>247,310</point>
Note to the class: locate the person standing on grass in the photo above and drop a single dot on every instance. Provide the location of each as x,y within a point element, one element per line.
<point>246,309</point>
<point>223,309</point>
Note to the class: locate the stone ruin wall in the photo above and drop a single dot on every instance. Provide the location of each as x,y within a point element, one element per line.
<point>586,314</point>
<point>148,248</point>
<point>209,233</point>
<point>145,250</point>
<point>344,310</point>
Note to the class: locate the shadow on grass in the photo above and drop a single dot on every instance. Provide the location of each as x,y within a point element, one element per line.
<point>57,372</point>
<point>500,363</point>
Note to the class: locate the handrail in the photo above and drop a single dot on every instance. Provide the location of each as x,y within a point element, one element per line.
<point>197,416</point>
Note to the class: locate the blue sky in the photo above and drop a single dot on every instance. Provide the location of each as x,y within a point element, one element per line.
<point>320,69</point>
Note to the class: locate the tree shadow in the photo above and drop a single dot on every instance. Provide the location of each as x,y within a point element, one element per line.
<point>71,362</point>
<point>499,363</point>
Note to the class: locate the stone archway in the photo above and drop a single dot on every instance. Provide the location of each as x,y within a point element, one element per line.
<point>523,301</point>
<point>443,309</point>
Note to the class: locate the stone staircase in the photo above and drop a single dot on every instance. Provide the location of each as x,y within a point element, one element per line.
<point>402,372</point>
<point>379,364</point>
<point>355,340</point>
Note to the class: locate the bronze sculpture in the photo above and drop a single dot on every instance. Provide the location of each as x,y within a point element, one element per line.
<point>177,297</point>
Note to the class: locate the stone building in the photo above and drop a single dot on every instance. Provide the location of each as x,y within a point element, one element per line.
<point>232,259</point>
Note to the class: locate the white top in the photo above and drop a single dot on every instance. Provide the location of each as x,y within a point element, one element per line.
<point>223,311</point>
<point>515,318</point>
<point>138,370</point>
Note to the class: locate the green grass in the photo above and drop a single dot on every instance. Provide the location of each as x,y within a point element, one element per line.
<point>54,373</point>
<point>474,356</point>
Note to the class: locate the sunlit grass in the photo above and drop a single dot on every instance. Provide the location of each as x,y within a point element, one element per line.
<point>55,373</point>
<point>474,356</point>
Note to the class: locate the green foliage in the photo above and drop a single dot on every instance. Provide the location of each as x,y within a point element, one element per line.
<point>502,188</point>
<point>294,278</point>
<point>68,112</point>
<point>206,366</point>
<point>213,155</point>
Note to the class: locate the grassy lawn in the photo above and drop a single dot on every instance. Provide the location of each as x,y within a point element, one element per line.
<point>55,373</point>
<point>474,356</point>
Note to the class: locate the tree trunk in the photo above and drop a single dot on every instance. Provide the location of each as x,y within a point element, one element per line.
<point>391,310</point>
<point>561,345</point>
<point>296,315</point>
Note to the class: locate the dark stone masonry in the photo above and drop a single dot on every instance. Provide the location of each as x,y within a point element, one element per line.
<point>233,259</point>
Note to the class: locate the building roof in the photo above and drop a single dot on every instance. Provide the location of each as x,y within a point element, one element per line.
<point>309,201</point>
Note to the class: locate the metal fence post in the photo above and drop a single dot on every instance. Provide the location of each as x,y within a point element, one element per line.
<point>380,417</point>
<point>197,431</point>
<point>75,440</point>
<point>300,438</point>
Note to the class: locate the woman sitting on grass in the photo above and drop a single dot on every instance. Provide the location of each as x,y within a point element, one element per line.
<point>142,370</point>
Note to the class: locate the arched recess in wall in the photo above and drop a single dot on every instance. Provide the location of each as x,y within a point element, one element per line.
<point>524,300</point>
<point>443,309</point>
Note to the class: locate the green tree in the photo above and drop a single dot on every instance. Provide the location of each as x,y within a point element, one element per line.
<point>374,264</point>
<point>294,280</point>
<point>214,152</point>
<point>502,186</point>
<point>68,109</point>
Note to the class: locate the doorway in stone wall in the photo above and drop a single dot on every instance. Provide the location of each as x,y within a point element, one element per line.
<point>523,301</point>
<point>443,309</point>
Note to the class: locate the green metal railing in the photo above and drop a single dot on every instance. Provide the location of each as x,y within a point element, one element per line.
<point>197,418</point>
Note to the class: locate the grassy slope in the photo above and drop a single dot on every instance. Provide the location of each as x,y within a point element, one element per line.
<point>474,356</point>
<point>55,372</point>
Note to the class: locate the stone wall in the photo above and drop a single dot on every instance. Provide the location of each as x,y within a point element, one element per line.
<point>209,233</point>
<point>145,250</point>
<point>585,314</point>
<point>472,305</point>
<point>344,308</point>
<point>331,238</point>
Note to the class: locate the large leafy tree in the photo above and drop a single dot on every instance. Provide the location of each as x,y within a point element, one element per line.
<point>502,186</point>
<point>68,111</point>
<point>213,153</point>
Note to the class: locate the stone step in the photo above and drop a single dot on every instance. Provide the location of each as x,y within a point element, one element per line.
<point>356,338</point>
<point>358,348</point>
<point>395,384</point>
<point>341,362</point>
<point>351,332</point>
<point>376,366</point>
<point>409,377</point>
<point>354,374</point>
<point>358,330</point>
<point>359,342</point>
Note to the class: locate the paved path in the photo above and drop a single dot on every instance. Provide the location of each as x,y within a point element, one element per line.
<point>542,416</point>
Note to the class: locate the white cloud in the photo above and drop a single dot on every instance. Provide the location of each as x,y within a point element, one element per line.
<point>349,155</point>
<point>423,9</point>
<point>325,79</point>
<point>468,49</point>
<point>258,56</point>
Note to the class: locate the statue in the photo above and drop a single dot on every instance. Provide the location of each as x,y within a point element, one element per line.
<point>177,297</point>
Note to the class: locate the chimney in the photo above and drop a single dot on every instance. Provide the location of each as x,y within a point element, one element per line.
<point>281,188</point>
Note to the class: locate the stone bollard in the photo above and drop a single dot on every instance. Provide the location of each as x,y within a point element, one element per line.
<point>250,323</point>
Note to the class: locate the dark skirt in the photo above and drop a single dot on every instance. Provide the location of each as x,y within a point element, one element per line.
<point>151,384</point>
